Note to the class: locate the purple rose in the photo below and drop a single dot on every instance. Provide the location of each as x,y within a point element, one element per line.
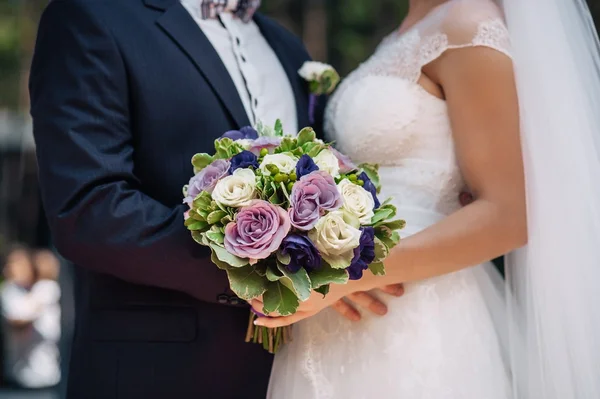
<point>364,254</point>
<point>206,179</point>
<point>302,252</point>
<point>258,231</point>
<point>246,132</point>
<point>270,143</point>
<point>243,160</point>
<point>311,196</point>
<point>305,166</point>
<point>370,187</point>
<point>346,164</point>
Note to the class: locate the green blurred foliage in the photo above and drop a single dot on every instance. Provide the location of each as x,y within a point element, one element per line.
<point>9,55</point>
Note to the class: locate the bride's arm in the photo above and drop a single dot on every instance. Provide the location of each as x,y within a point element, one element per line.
<point>480,91</point>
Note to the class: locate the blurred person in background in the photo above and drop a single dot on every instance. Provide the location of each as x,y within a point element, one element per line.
<point>31,315</point>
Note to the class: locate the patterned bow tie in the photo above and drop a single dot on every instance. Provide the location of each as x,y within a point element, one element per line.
<point>243,9</point>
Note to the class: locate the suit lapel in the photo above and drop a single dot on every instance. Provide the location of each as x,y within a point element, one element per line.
<point>290,65</point>
<point>178,24</point>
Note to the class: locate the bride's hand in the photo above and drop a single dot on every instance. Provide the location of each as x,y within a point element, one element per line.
<point>366,300</point>
<point>316,303</point>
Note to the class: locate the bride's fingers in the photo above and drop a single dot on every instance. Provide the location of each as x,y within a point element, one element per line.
<point>395,290</point>
<point>369,302</point>
<point>346,310</point>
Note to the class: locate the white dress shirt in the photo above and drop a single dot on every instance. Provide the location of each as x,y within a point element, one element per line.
<point>259,78</point>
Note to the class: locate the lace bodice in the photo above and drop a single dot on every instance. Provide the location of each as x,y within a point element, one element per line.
<point>380,114</point>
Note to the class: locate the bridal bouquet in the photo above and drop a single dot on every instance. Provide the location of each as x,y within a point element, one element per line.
<point>285,216</point>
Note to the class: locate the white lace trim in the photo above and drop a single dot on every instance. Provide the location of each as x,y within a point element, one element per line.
<point>491,33</point>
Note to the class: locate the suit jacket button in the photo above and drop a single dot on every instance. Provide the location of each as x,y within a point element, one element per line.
<point>234,301</point>
<point>223,298</point>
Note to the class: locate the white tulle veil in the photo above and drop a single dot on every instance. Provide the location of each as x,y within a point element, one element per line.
<point>553,285</point>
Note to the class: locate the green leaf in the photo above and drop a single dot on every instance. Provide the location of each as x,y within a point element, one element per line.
<point>298,282</point>
<point>329,80</point>
<point>323,290</point>
<point>306,135</point>
<point>381,250</point>
<point>328,275</point>
<point>216,216</point>
<point>381,214</point>
<point>215,236</point>
<point>284,259</point>
<point>197,225</point>
<point>288,144</point>
<point>246,282</point>
<point>202,201</point>
<point>377,268</point>
<point>280,299</point>
<point>198,237</point>
<point>314,150</point>
<point>273,274</point>
<point>314,87</point>
<point>201,161</point>
<point>218,263</point>
<point>230,259</point>
<point>278,128</point>
<point>226,148</point>
<point>371,171</point>
<point>393,225</point>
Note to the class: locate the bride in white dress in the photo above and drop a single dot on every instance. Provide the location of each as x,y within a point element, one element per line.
<point>437,107</point>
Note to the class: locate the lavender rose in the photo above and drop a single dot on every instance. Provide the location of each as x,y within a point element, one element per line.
<point>206,179</point>
<point>243,160</point>
<point>302,252</point>
<point>370,187</point>
<point>270,143</point>
<point>305,166</point>
<point>258,231</point>
<point>346,164</point>
<point>245,133</point>
<point>311,195</point>
<point>364,254</point>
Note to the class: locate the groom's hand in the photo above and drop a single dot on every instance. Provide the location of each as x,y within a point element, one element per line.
<point>347,306</point>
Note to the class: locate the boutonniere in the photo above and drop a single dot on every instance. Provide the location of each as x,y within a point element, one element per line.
<point>322,79</point>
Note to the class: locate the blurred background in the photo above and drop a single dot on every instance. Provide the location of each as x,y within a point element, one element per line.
<point>35,290</point>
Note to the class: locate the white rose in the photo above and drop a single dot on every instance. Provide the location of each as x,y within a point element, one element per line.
<point>328,162</point>
<point>336,239</point>
<point>312,70</point>
<point>357,201</point>
<point>236,190</point>
<point>284,162</point>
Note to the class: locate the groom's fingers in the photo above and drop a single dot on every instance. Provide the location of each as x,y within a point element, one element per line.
<point>258,306</point>
<point>281,321</point>
<point>346,310</point>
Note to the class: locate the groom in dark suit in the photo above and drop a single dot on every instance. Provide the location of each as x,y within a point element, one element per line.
<point>123,93</point>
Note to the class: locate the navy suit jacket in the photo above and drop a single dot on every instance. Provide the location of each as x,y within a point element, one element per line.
<point>123,93</point>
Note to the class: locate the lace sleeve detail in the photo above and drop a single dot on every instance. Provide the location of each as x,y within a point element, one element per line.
<point>465,24</point>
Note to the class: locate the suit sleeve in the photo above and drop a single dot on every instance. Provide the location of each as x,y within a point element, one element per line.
<point>97,212</point>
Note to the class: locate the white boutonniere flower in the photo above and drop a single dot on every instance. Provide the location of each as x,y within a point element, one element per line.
<point>322,79</point>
